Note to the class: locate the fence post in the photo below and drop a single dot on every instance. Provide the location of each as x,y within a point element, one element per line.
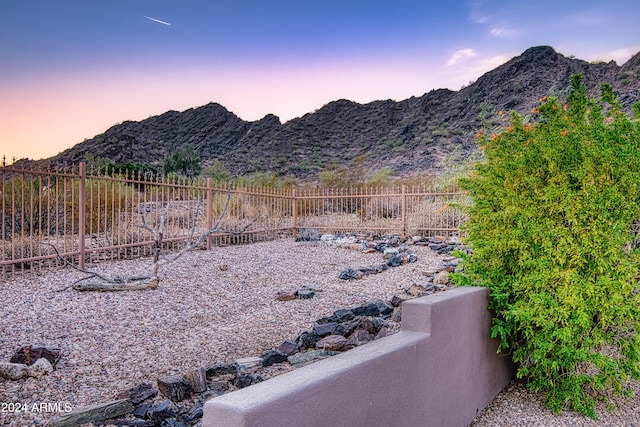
<point>209,210</point>
<point>404,209</point>
<point>294,213</point>
<point>82,206</point>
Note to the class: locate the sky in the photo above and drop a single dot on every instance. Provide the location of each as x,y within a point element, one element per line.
<point>70,69</point>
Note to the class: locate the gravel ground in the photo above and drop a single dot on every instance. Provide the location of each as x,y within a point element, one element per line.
<point>517,407</point>
<point>211,307</point>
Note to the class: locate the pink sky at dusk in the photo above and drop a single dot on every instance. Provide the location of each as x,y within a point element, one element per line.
<point>72,69</point>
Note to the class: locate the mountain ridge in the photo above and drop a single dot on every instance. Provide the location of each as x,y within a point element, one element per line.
<point>416,135</point>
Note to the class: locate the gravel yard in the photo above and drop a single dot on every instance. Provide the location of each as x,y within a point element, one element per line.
<point>211,307</point>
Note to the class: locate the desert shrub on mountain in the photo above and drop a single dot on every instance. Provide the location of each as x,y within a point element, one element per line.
<point>185,161</point>
<point>551,230</point>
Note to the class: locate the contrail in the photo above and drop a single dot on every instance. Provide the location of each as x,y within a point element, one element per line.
<point>156,20</point>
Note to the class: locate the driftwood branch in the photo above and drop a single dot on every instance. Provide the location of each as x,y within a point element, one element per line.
<point>110,284</point>
<point>151,281</point>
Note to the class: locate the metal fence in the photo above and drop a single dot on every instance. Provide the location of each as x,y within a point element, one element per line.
<point>68,213</point>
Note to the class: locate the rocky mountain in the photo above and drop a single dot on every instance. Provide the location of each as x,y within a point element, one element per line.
<point>416,135</point>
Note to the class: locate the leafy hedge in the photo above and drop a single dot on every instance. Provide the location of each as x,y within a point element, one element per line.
<point>550,229</point>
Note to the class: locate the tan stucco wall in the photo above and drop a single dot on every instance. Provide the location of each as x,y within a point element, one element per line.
<point>440,370</point>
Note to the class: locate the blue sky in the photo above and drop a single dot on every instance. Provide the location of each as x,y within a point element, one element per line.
<point>71,69</point>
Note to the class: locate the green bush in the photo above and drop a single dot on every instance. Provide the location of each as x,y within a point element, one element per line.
<point>550,229</point>
<point>185,161</point>
<point>217,171</point>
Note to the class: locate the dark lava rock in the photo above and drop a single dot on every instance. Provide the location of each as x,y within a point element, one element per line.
<point>141,411</point>
<point>374,309</point>
<point>308,235</point>
<point>330,319</point>
<point>162,410</point>
<point>247,380</point>
<point>304,293</point>
<point>366,324</point>
<point>379,323</point>
<point>288,348</point>
<point>324,329</point>
<point>381,246</point>
<point>28,355</point>
<point>139,393</point>
<point>350,274</point>
<point>397,300</point>
<point>273,356</point>
<point>307,339</point>
<point>175,387</point>
<point>172,422</point>
<point>360,336</point>
<point>342,315</point>
<point>222,369</point>
<point>334,343</point>
<point>350,325</point>
<point>394,261</point>
<point>196,412</point>
<point>301,359</point>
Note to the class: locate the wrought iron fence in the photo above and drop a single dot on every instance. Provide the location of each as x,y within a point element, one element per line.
<point>82,216</point>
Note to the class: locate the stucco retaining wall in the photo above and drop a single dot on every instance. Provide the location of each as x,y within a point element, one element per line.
<point>440,370</point>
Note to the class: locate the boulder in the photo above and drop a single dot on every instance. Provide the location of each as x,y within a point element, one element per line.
<point>28,355</point>
<point>198,379</point>
<point>139,393</point>
<point>441,278</point>
<point>288,348</point>
<point>374,309</point>
<point>162,411</point>
<point>13,371</point>
<point>343,315</point>
<point>334,343</point>
<point>324,329</point>
<point>273,356</point>
<point>307,339</point>
<point>395,261</point>
<point>416,290</point>
<point>361,336</point>
<point>228,370</point>
<point>141,411</point>
<point>41,367</point>
<point>247,379</point>
<point>390,252</point>
<point>350,325</point>
<point>175,387</point>
<point>327,238</point>
<point>248,365</point>
<point>300,359</point>
<point>366,324</point>
<point>305,293</point>
<point>194,413</point>
<point>308,235</point>
<point>397,300</point>
<point>383,332</point>
<point>350,274</point>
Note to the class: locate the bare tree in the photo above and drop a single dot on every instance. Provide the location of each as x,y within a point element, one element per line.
<point>151,281</point>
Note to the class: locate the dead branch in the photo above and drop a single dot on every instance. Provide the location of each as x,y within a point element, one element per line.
<point>110,284</point>
<point>151,282</point>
